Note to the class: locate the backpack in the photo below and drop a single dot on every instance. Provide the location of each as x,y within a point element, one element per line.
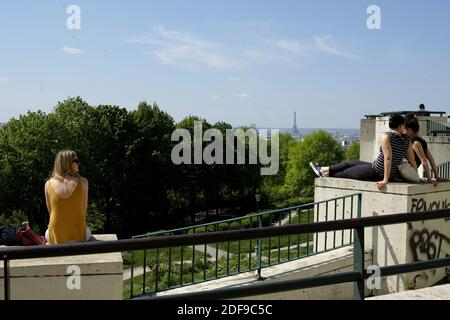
<point>8,236</point>
<point>27,237</point>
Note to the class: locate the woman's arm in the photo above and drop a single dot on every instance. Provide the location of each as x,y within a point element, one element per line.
<point>411,157</point>
<point>47,197</point>
<point>387,151</point>
<point>433,164</point>
<point>418,149</point>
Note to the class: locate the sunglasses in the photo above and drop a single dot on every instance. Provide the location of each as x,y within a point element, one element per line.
<point>76,161</point>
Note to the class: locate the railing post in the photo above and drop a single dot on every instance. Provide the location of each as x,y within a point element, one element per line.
<point>132,275</point>
<point>6,280</point>
<point>358,263</point>
<point>259,248</point>
<point>359,205</point>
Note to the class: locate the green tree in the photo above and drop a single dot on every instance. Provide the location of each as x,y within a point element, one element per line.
<point>27,145</point>
<point>151,175</point>
<point>319,147</point>
<point>352,153</point>
<point>274,187</point>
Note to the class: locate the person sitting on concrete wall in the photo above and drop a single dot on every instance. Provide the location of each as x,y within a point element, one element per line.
<point>66,195</point>
<point>395,146</point>
<point>422,153</point>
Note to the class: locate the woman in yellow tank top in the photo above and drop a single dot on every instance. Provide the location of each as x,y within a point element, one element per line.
<point>66,195</point>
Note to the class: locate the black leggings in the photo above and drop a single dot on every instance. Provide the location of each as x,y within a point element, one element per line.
<point>357,170</point>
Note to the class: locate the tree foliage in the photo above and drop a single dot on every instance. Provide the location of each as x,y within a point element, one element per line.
<point>352,152</point>
<point>134,185</point>
<point>319,147</point>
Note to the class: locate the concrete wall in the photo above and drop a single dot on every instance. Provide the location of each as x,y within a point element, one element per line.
<point>367,138</point>
<point>101,277</point>
<point>396,244</point>
<point>339,260</point>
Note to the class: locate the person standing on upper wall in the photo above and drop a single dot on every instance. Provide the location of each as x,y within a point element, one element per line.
<point>423,111</point>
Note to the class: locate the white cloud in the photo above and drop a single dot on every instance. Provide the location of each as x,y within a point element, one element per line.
<point>292,46</point>
<point>4,79</point>
<point>318,44</point>
<point>327,44</point>
<point>183,50</point>
<point>71,50</point>
<point>215,97</point>
<point>244,95</point>
<point>234,79</point>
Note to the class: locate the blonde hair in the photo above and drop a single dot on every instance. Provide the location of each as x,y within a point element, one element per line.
<point>63,164</point>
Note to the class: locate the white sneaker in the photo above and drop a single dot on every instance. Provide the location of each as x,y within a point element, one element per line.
<point>316,168</point>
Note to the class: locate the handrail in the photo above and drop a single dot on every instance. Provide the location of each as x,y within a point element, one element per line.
<point>435,128</point>
<point>358,224</point>
<point>263,213</point>
<point>204,262</point>
<point>14,253</point>
<point>443,170</point>
<point>306,283</point>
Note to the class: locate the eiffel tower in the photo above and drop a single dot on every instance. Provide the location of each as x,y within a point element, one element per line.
<point>295,132</point>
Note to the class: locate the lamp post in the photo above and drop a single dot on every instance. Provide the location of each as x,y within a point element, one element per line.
<point>259,243</point>
<point>257,198</point>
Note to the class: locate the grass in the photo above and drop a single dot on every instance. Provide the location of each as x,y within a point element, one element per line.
<point>241,254</point>
<point>175,254</point>
<point>201,272</point>
<point>234,248</point>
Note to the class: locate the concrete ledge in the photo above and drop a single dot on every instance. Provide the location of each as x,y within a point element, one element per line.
<point>100,277</point>
<point>433,293</point>
<point>394,188</point>
<point>335,261</point>
<point>393,244</point>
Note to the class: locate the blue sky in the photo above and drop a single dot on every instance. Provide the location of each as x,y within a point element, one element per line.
<point>242,61</point>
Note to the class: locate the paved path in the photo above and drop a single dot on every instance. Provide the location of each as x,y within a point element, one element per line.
<point>211,251</point>
<point>138,271</point>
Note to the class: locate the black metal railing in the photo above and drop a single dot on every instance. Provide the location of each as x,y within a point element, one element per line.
<point>158,270</point>
<point>357,276</point>
<point>443,170</point>
<point>436,129</point>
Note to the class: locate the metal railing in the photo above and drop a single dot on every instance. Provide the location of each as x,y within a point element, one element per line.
<point>436,129</point>
<point>443,170</point>
<point>357,276</point>
<point>159,270</point>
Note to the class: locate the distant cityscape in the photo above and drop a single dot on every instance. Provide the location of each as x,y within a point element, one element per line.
<point>345,137</point>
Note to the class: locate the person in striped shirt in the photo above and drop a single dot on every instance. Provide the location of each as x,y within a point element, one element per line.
<point>395,146</point>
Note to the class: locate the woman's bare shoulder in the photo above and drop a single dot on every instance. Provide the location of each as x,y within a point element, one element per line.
<point>84,180</point>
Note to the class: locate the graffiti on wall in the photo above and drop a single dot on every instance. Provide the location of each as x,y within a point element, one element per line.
<point>421,204</point>
<point>426,242</point>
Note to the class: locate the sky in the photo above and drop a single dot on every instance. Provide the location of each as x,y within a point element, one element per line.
<point>243,62</point>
